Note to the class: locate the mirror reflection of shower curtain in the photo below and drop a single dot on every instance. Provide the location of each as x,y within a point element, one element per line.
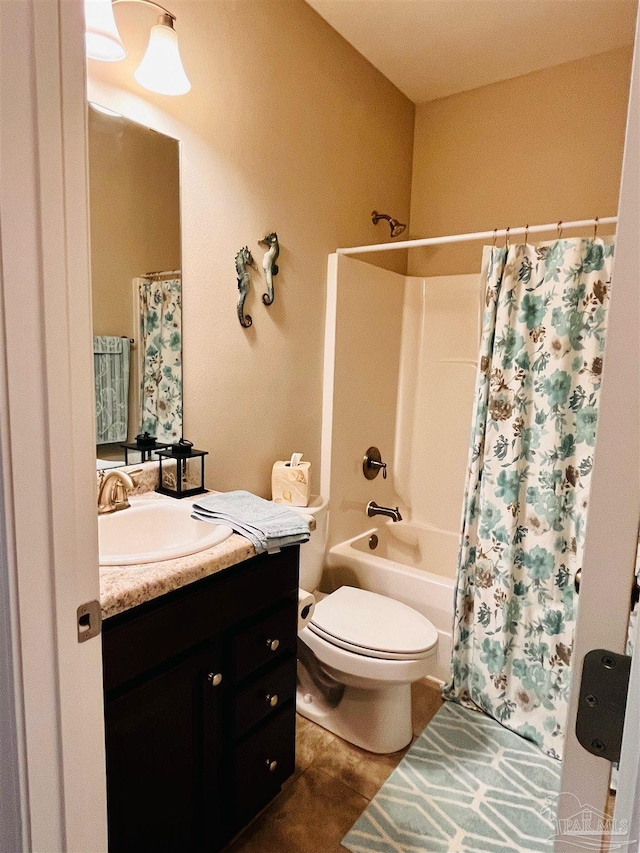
<point>160,307</point>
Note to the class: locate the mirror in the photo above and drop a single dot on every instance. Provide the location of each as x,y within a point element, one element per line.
<point>136,283</point>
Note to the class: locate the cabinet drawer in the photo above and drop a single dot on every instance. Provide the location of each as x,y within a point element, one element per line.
<point>270,639</point>
<point>262,763</point>
<point>153,633</point>
<point>264,697</point>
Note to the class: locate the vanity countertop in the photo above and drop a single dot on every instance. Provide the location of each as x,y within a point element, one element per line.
<point>124,587</point>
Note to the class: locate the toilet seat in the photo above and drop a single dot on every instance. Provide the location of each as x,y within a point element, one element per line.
<point>365,623</point>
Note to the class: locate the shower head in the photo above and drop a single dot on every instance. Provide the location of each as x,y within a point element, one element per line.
<point>396,227</point>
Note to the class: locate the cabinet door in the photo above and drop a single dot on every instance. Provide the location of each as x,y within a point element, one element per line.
<point>262,763</point>
<point>161,742</point>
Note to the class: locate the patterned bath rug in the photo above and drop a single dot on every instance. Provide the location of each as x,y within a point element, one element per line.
<point>467,785</point>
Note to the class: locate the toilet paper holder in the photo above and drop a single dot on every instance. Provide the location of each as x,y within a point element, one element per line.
<point>306,607</point>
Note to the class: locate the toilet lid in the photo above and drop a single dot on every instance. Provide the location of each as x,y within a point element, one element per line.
<point>373,625</point>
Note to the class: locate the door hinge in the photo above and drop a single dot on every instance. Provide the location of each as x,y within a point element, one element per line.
<point>89,620</point>
<point>602,703</point>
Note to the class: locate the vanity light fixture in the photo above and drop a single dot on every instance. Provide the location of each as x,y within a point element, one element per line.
<point>101,36</point>
<point>161,68</point>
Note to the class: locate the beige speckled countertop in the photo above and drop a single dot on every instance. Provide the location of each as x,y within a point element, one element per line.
<point>123,587</point>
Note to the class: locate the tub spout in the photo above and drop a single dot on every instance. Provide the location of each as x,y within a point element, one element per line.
<point>374,509</point>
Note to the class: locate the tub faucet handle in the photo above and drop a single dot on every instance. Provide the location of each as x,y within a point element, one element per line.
<point>372,464</point>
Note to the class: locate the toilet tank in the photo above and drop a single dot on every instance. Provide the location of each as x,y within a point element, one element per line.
<point>312,552</point>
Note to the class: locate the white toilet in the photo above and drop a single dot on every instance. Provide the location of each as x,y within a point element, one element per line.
<point>358,656</point>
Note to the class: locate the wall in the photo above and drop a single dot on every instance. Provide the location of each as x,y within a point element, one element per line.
<point>534,149</point>
<point>287,127</point>
<point>134,200</point>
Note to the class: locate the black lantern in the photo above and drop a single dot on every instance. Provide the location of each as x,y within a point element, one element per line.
<point>186,476</point>
<point>145,445</point>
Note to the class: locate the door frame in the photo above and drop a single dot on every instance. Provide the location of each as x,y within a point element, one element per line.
<point>614,503</point>
<point>47,432</point>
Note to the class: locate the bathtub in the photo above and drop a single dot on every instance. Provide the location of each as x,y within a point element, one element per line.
<point>411,563</point>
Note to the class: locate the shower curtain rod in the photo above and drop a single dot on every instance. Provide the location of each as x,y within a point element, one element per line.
<point>160,273</point>
<point>479,235</point>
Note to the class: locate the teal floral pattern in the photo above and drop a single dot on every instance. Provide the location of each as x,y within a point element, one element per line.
<point>528,480</point>
<point>161,357</point>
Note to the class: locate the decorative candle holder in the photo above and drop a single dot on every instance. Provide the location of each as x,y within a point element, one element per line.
<point>145,445</point>
<point>186,478</point>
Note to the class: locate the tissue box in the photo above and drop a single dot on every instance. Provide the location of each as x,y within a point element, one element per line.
<point>290,483</point>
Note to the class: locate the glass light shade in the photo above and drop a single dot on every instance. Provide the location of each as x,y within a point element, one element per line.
<point>102,39</point>
<point>161,68</point>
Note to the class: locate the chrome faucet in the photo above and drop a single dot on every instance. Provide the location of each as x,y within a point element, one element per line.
<point>374,509</point>
<point>114,490</point>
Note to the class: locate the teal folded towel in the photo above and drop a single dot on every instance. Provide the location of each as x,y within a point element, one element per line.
<point>266,525</point>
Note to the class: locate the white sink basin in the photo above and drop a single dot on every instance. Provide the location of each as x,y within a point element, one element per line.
<point>154,530</point>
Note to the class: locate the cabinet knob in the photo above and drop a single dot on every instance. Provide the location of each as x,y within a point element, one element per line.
<point>271,765</point>
<point>272,699</point>
<point>214,678</point>
<point>273,645</point>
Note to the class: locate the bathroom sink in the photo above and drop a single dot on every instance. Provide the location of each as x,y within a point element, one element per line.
<point>155,530</point>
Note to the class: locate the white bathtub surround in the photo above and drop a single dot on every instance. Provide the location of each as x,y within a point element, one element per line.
<point>396,377</point>
<point>438,360</point>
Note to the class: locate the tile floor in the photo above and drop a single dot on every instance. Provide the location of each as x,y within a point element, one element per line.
<point>329,790</point>
<point>331,786</point>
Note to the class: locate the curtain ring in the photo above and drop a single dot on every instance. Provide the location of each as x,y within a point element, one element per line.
<point>595,229</point>
<point>495,237</point>
<point>526,234</point>
<point>506,238</point>
<point>560,230</point>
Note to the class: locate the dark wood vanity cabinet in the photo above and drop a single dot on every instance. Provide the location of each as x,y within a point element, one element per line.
<point>200,707</point>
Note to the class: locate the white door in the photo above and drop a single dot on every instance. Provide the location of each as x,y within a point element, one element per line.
<point>614,513</point>
<point>48,515</point>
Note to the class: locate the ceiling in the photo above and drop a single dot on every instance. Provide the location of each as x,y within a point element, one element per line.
<point>434,48</point>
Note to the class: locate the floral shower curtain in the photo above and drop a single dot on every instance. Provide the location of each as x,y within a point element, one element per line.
<point>161,355</point>
<point>528,481</point>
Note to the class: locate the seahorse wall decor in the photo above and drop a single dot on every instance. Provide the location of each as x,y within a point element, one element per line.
<point>244,260</point>
<point>269,264</point>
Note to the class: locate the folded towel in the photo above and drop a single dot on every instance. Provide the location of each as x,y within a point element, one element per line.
<point>266,525</point>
